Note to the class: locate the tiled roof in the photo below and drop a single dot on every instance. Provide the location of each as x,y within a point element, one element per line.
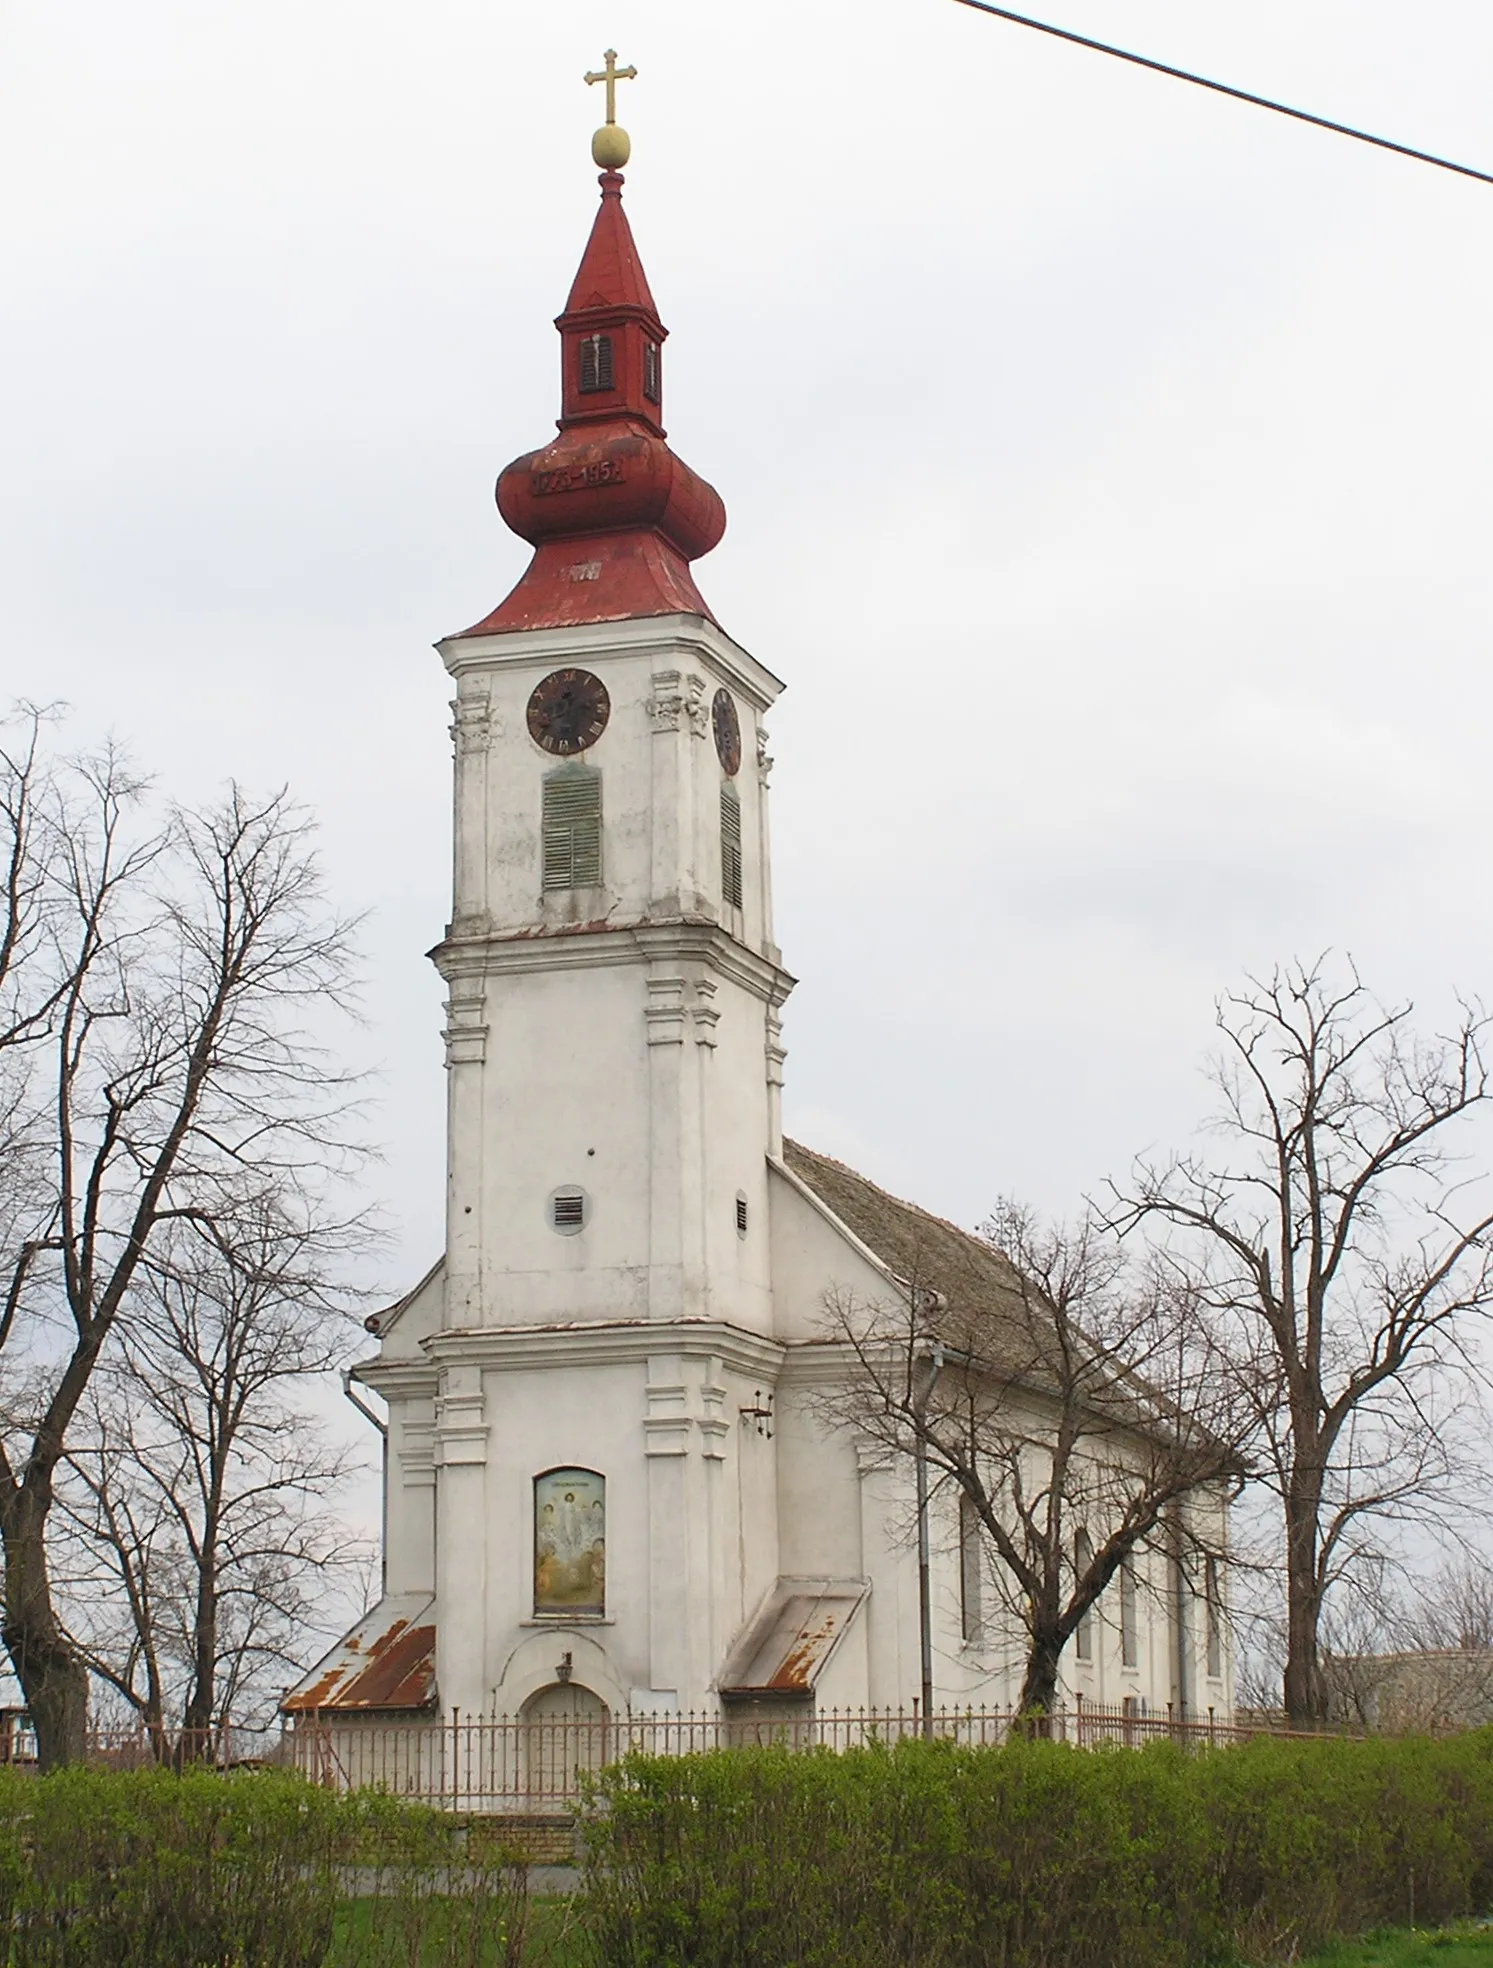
<point>923,1250</point>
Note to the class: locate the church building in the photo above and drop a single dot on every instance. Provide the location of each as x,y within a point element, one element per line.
<point>610,1486</point>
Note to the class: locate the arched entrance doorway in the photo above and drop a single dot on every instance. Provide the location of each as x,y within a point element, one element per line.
<point>564,1734</point>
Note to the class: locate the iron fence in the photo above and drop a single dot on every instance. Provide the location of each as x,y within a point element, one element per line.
<point>139,1747</point>
<point>523,1764</point>
<point>504,1763</point>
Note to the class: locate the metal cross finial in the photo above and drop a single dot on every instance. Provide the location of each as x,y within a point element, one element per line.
<point>612,75</point>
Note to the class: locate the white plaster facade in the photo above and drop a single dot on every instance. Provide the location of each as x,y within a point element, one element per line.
<point>625,1040</point>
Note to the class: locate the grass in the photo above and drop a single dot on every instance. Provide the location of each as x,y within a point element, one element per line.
<point>553,1939</point>
<point>1453,1947</point>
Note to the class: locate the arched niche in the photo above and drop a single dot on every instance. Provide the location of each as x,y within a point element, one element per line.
<point>533,1664</point>
<point>564,1701</point>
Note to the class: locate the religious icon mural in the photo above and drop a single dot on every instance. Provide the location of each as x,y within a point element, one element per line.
<point>570,1541</point>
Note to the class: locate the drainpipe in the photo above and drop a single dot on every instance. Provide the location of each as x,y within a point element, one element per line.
<point>925,1599</point>
<point>350,1394</point>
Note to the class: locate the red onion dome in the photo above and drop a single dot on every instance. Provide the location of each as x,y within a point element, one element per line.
<point>606,478</point>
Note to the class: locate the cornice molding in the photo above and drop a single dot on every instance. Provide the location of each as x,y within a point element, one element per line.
<point>606,1343</point>
<point>675,638</point>
<point>816,1363</point>
<point>604,945</point>
<point>399,1380</point>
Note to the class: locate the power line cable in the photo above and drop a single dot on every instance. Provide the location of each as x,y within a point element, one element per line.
<point>1224,89</point>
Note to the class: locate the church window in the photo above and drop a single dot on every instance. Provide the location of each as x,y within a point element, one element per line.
<point>1129,1615</point>
<point>568,1211</point>
<point>570,1542</point>
<point>971,1575</point>
<point>731,845</point>
<point>598,369</point>
<point>1213,1608</point>
<point>1083,1635</point>
<point>652,369</point>
<point>741,1216</point>
<point>571,827</point>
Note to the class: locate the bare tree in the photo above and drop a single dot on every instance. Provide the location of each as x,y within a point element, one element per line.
<point>1333,1241</point>
<point>1074,1408</point>
<point>197,1502</point>
<point>155,967</point>
<point>1454,1608</point>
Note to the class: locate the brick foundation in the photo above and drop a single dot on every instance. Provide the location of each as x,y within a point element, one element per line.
<point>548,1840</point>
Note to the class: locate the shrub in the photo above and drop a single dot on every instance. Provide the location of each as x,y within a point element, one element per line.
<point>155,1870</point>
<point>1033,1856</point>
<point>166,1871</point>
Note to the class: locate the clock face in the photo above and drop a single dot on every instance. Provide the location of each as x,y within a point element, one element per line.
<point>727,732</point>
<point>568,711</point>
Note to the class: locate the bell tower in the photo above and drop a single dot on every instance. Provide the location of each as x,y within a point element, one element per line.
<point>614,1055</point>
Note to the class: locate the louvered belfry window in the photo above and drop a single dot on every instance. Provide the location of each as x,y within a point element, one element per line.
<point>571,827</point>
<point>598,370</point>
<point>731,845</point>
<point>652,364</point>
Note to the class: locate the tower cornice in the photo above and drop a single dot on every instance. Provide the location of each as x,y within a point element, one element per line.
<point>662,636</point>
<point>606,1343</point>
<point>593,946</point>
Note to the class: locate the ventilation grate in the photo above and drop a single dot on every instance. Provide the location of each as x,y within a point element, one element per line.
<point>597,366</point>
<point>569,1209</point>
<point>571,828</point>
<point>652,371</point>
<point>731,846</point>
<point>741,1216</point>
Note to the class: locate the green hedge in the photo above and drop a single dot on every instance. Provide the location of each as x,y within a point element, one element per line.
<point>1034,1856</point>
<point>155,1870</point>
<point>919,1856</point>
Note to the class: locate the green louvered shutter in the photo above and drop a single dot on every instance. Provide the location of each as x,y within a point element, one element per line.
<point>571,828</point>
<point>731,845</point>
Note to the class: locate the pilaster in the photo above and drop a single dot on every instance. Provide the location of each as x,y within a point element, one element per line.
<point>685,1428</point>
<point>883,1562</point>
<point>474,726</point>
<point>667,1427</point>
<point>462,1539</point>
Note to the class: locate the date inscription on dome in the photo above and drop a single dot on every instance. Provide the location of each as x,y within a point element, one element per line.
<point>578,478</point>
<point>568,712</point>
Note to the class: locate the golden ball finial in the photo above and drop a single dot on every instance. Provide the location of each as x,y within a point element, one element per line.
<point>611,147</point>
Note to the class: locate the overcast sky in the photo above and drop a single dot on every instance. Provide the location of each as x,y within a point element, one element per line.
<point>1107,467</point>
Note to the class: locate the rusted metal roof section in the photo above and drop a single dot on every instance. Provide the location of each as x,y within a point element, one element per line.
<point>386,1662</point>
<point>789,1644</point>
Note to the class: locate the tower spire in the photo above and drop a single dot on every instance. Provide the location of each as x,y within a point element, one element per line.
<point>614,516</point>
